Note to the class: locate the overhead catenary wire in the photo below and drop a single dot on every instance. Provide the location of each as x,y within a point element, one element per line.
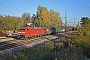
<point>10,9</point>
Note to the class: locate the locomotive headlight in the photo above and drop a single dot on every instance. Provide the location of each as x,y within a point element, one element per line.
<point>23,32</point>
<point>19,32</point>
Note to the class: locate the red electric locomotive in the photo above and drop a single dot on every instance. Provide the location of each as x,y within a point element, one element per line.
<point>24,32</point>
<point>30,31</point>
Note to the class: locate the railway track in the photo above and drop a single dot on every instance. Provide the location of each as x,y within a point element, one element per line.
<point>14,43</point>
<point>3,39</point>
<point>7,45</point>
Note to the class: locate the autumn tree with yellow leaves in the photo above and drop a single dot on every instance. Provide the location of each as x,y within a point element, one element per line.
<point>9,22</point>
<point>48,18</point>
<point>42,15</point>
<point>55,19</point>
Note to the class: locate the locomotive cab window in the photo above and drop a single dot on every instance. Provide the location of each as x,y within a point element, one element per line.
<point>22,28</point>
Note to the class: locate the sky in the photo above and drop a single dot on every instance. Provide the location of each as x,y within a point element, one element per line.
<point>75,8</point>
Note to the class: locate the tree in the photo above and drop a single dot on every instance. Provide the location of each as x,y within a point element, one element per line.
<point>1,22</point>
<point>16,22</point>
<point>55,19</point>
<point>33,18</point>
<point>48,18</point>
<point>78,27</point>
<point>83,39</point>
<point>42,15</point>
<point>84,20</point>
<point>85,28</point>
<point>25,18</point>
<point>9,22</point>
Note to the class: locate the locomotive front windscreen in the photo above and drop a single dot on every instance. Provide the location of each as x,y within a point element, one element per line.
<point>22,29</point>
